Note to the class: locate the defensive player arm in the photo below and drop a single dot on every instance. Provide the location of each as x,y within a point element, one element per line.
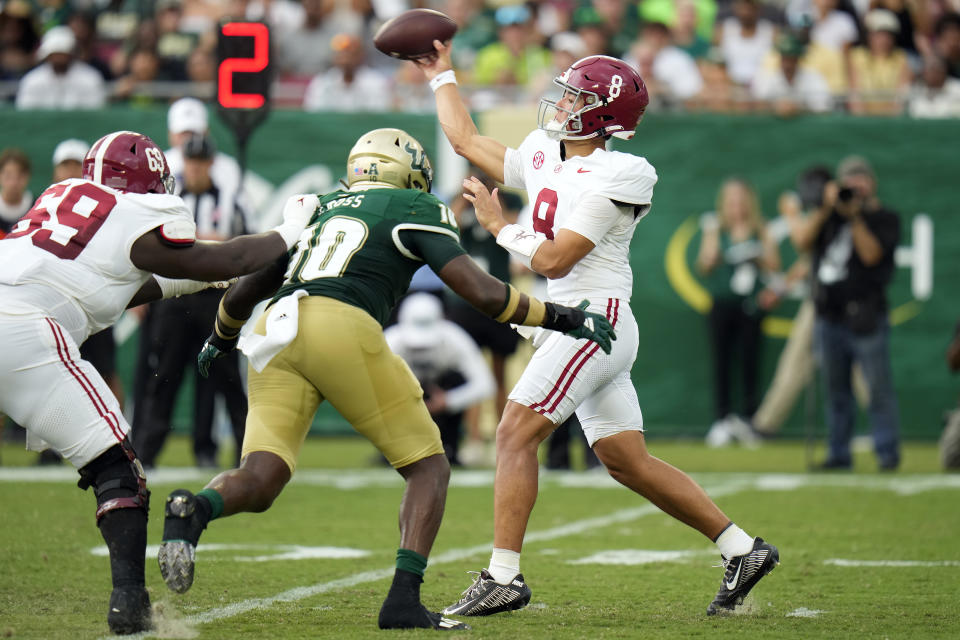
<point>458,126</point>
<point>240,299</point>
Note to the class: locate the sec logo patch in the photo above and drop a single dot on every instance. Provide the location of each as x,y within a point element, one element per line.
<point>538,159</point>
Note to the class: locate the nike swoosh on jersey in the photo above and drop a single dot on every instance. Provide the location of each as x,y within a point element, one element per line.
<point>582,170</point>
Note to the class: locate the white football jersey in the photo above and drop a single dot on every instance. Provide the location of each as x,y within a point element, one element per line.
<point>555,189</point>
<point>69,257</point>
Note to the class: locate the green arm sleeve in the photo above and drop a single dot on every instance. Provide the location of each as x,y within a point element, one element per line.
<point>436,249</point>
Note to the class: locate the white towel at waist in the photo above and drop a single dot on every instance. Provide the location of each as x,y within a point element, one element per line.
<point>281,328</point>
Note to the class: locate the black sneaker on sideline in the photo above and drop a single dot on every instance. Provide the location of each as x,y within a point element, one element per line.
<point>129,611</point>
<point>486,596</point>
<point>418,617</point>
<point>741,573</point>
<point>182,526</point>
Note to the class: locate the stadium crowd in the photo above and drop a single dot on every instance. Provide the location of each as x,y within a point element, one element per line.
<point>861,56</point>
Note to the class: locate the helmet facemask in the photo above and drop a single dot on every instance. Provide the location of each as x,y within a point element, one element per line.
<point>570,125</point>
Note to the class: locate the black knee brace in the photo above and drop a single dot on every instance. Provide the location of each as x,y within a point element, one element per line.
<point>117,479</point>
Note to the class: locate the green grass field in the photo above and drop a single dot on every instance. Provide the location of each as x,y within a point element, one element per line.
<point>863,555</point>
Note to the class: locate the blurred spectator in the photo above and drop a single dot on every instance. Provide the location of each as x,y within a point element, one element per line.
<point>946,43</point>
<point>718,93</point>
<point>306,50</point>
<point>186,117</point>
<point>179,327</point>
<point>476,28</point>
<point>68,159</point>
<point>788,87</point>
<point>668,12</point>
<point>669,72</point>
<point>565,49</point>
<point>173,43</point>
<point>134,86</point>
<point>589,25</point>
<point>282,16</point>
<point>84,29</point>
<point>904,10</point>
<point>15,198</point>
<point>515,58</point>
<point>852,237</point>
<point>145,36</point>
<point>350,85</point>
<point>832,29</point>
<point>936,95</point>
<point>685,33</point>
<point>18,39</point>
<point>879,72</point>
<point>445,360</point>
<point>201,66</point>
<point>60,82</point>
<point>735,252</point>
<point>744,40</point>
<point>620,22</point>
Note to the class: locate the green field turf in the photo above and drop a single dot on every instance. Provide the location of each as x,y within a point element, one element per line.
<point>256,578</point>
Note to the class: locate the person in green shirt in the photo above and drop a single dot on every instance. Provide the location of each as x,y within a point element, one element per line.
<point>513,59</point>
<point>735,253</point>
<point>321,338</point>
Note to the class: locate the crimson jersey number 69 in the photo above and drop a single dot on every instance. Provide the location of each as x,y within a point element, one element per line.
<point>66,230</point>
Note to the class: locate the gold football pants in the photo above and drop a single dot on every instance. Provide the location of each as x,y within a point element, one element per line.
<point>339,355</point>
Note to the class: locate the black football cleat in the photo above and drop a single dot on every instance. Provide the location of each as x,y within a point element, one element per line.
<point>417,617</point>
<point>740,575</point>
<point>182,526</point>
<point>486,596</point>
<point>129,611</point>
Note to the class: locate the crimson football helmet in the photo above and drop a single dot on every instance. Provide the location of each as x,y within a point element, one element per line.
<point>130,162</point>
<point>606,96</point>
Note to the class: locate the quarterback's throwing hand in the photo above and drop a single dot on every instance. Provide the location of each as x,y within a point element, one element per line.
<point>214,348</point>
<point>595,327</point>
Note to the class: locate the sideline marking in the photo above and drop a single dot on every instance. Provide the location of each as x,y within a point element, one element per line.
<point>803,612</point>
<point>281,551</point>
<point>623,557</point>
<point>349,479</point>
<point>843,562</point>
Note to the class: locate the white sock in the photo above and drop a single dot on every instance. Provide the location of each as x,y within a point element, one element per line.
<point>734,542</point>
<point>504,565</point>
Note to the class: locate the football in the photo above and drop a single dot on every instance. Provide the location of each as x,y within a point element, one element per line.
<point>410,35</point>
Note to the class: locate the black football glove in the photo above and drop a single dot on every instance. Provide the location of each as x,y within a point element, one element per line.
<point>577,322</point>
<point>214,348</point>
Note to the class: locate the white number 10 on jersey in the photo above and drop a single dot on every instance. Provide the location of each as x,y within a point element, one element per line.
<point>326,254</point>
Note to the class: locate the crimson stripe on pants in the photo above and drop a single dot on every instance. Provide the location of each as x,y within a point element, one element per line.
<point>572,364</point>
<point>85,384</point>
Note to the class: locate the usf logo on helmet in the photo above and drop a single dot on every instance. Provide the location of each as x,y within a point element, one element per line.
<point>385,157</point>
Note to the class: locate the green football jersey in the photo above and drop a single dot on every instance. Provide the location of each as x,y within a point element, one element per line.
<point>362,247</point>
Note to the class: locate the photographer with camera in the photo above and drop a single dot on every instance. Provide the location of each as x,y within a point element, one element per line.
<point>852,238</point>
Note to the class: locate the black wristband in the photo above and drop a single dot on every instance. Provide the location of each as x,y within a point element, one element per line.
<point>561,318</point>
<point>223,344</point>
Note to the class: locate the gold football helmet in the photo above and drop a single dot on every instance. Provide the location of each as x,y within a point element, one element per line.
<point>390,156</point>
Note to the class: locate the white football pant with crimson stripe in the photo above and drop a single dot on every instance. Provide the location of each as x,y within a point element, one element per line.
<point>567,375</point>
<point>56,396</point>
